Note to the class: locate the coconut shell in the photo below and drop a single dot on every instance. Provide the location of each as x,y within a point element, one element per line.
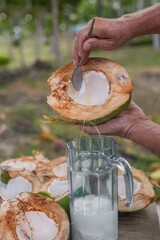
<point>143,197</point>
<point>38,161</point>
<point>48,171</point>
<point>32,179</point>
<point>119,94</point>
<point>57,163</point>
<point>10,211</point>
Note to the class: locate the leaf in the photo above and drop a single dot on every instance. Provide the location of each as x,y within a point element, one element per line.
<point>4,177</point>
<point>46,194</point>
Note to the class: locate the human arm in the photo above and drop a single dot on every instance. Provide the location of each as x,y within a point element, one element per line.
<point>132,124</point>
<point>109,34</point>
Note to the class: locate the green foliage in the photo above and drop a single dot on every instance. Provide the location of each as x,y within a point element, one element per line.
<point>4,176</point>
<point>4,60</point>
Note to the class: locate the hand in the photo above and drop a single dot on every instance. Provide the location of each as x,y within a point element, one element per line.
<point>122,124</point>
<point>107,34</point>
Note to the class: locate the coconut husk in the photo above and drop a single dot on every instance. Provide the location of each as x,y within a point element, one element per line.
<point>52,169</point>
<point>26,164</point>
<point>12,213</point>
<point>31,180</point>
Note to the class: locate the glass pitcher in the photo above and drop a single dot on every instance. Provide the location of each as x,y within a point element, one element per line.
<point>93,187</point>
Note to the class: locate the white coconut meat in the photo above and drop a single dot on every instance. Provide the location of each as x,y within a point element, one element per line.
<point>17,164</point>
<point>122,187</point>
<point>58,188</point>
<point>60,170</point>
<point>14,187</point>
<point>36,225</point>
<point>93,83</point>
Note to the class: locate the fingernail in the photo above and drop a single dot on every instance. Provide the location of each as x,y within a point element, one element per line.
<point>80,54</point>
<point>74,62</point>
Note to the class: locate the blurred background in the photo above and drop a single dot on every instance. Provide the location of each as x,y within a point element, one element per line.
<point>36,38</point>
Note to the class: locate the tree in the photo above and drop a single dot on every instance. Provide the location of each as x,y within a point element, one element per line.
<point>100,8</point>
<point>56,38</point>
<point>155,37</point>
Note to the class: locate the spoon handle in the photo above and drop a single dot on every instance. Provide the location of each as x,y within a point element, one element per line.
<point>88,36</point>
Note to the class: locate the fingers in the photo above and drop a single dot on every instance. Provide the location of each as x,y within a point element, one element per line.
<point>78,50</point>
<point>106,44</point>
<point>85,57</point>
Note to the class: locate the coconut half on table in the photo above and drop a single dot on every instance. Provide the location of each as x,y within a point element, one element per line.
<point>33,217</point>
<point>22,183</point>
<point>143,191</point>
<point>52,169</point>
<point>105,92</point>
<point>23,164</point>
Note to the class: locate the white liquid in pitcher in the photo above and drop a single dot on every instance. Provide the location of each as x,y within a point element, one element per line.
<point>94,219</point>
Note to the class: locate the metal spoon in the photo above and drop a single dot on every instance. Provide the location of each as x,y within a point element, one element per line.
<point>77,75</point>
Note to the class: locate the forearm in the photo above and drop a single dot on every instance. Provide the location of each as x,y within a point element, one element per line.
<point>147,134</point>
<point>144,22</point>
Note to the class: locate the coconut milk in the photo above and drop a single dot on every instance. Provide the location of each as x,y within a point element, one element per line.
<point>94,219</point>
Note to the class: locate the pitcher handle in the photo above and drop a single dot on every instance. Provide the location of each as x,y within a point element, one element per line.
<point>123,165</point>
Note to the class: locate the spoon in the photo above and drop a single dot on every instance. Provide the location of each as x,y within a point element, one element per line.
<point>77,74</point>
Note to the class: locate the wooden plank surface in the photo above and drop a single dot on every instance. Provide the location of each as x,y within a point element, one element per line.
<point>142,225</point>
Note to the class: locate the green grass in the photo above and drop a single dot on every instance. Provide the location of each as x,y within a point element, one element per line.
<point>134,59</point>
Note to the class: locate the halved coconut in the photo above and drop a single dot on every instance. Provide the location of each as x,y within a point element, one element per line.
<point>33,217</point>
<point>19,184</point>
<point>23,164</point>
<point>143,191</point>
<point>59,167</point>
<point>105,92</point>
<point>58,190</point>
<point>54,168</point>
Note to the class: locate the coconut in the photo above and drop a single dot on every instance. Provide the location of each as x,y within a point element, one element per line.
<point>105,92</point>
<point>59,167</point>
<point>52,169</point>
<point>23,164</point>
<point>143,191</point>
<point>33,217</point>
<point>57,189</point>
<point>19,184</point>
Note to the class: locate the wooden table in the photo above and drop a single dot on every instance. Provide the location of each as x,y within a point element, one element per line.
<point>142,225</point>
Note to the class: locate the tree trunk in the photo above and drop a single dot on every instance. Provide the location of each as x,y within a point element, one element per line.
<point>155,37</point>
<point>38,39</point>
<point>156,41</point>
<point>141,4</point>
<point>100,8</point>
<point>21,55</point>
<point>56,38</point>
<point>10,46</point>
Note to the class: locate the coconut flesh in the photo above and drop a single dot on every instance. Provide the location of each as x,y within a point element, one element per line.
<point>14,187</point>
<point>60,170</point>
<point>36,225</point>
<point>93,83</point>
<point>58,188</point>
<point>17,164</point>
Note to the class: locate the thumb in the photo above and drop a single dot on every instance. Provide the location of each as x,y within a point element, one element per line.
<point>97,43</point>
